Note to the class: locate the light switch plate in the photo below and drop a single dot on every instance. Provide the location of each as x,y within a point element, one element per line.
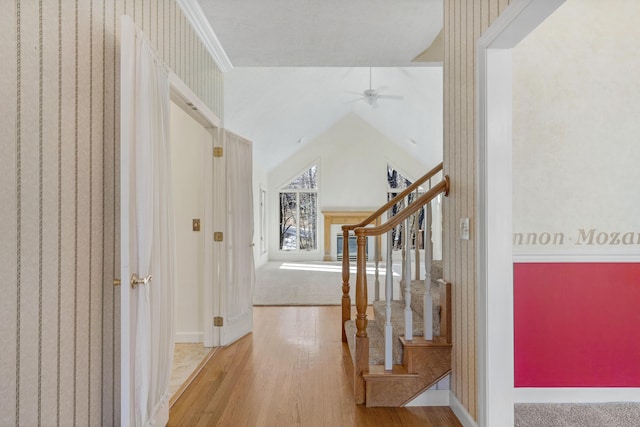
<point>464,228</point>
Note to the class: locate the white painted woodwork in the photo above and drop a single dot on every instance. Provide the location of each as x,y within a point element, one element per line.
<point>494,162</point>
<point>408,312</point>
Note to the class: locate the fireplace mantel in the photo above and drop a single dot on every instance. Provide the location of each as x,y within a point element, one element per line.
<point>342,218</point>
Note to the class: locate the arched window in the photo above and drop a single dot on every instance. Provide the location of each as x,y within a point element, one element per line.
<point>299,212</point>
<point>396,184</point>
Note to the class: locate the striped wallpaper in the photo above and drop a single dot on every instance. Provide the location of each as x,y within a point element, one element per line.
<point>59,212</point>
<point>464,22</point>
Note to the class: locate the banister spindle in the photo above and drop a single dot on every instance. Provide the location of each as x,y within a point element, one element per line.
<point>376,252</point>
<point>388,294</point>
<point>346,298</point>
<point>427,314</point>
<point>362,340</point>
<point>408,315</point>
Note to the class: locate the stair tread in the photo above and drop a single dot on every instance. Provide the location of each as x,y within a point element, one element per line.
<point>397,371</point>
<point>421,342</point>
<point>397,317</point>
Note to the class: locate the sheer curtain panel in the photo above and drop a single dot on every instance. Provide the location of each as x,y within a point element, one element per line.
<point>151,231</point>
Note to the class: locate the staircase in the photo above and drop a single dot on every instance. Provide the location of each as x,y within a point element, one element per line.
<point>393,359</point>
<point>417,364</point>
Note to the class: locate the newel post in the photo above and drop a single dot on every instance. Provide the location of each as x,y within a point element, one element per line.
<point>362,340</point>
<point>346,298</point>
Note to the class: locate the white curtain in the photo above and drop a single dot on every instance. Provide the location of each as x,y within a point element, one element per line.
<point>240,267</point>
<point>152,234</point>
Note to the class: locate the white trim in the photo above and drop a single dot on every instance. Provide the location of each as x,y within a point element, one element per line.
<point>576,395</point>
<point>463,416</point>
<point>495,233</point>
<point>431,398</point>
<point>575,257</point>
<point>190,102</point>
<point>200,23</point>
<point>189,337</point>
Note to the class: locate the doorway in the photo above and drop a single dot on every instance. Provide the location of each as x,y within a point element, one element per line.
<point>189,142</point>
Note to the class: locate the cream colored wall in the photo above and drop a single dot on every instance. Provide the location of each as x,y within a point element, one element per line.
<point>352,160</point>
<point>188,142</point>
<point>464,22</point>
<point>575,130</point>
<point>59,210</point>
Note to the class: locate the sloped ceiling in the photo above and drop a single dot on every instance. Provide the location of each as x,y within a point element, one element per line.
<point>281,109</point>
<point>298,65</point>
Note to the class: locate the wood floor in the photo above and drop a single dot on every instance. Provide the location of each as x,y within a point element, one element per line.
<point>293,370</point>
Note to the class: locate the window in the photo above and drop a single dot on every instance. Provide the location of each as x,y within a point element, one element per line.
<point>299,212</point>
<point>396,184</point>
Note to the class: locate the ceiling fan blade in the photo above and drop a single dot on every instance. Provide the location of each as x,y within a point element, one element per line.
<point>391,96</point>
<point>354,100</point>
<point>353,93</point>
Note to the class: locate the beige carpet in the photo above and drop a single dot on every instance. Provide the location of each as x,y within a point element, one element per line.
<point>577,415</point>
<point>311,283</point>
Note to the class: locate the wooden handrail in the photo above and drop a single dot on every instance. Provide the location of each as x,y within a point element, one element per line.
<point>361,365</point>
<point>409,210</point>
<point>442,186</point>
<point>395,200</point>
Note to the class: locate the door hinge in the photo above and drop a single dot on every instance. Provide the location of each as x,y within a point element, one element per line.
<point>218,321</point>
<point>218,236</point>
<point>217,151</point>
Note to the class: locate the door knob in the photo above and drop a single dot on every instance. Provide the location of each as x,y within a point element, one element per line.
<point>135,280</point>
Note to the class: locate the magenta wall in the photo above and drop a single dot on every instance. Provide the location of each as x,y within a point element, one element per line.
<point>577,324</point>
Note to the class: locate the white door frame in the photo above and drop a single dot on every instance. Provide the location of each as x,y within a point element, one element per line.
<point>184,97</point>
<point>494,163</point>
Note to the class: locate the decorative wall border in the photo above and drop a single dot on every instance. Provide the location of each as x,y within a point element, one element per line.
<point>576,395</point>
<point>576,257</point>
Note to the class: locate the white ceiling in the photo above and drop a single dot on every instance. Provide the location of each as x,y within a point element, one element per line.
<point>277,107</point>
<point>295,62</point>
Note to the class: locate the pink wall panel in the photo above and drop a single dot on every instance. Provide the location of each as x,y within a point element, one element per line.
<point>577,324</point>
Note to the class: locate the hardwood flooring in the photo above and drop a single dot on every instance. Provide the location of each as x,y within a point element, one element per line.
<point>293,370</point>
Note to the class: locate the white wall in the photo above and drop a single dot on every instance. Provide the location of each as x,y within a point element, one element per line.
<point>352,160</point>
<point>576,127</point>
<point>188,139</point>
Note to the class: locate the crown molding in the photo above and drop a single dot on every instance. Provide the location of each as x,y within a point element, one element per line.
<point>195,15</point>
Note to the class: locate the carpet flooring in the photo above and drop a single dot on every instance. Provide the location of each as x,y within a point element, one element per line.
<point>312,283</point>
<point>577,415</point>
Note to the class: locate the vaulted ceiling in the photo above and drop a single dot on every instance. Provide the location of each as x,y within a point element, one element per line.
<point>298,65</point>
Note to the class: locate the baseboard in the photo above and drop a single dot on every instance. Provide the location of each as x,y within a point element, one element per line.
<point>576,395</point>
<point>188,337</point>
<point>463,416</point>
<point>431,398</point>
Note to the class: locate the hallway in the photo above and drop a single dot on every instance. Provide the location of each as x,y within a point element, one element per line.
<point>292,371</point>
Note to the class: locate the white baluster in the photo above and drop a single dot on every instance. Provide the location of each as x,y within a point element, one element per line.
<point>408,315</point>
<point>376,252</point>
<point>388,294</point>
<point>428,259</point>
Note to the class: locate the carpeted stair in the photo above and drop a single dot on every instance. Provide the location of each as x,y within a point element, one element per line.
<point>375,326</point>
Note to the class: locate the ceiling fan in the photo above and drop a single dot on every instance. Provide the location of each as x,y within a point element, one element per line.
<point>371,96</point>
